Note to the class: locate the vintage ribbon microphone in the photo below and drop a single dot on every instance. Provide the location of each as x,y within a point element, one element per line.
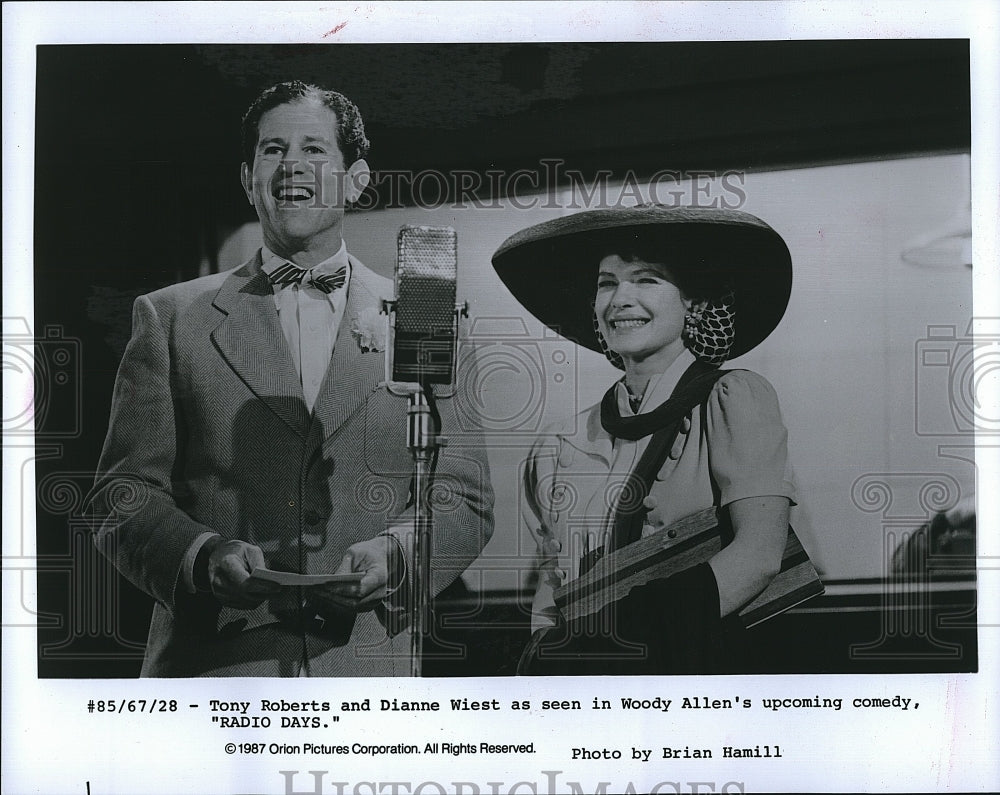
<point>423,322</point>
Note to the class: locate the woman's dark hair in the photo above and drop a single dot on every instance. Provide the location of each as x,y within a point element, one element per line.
<point>350,127</point>
<point>700,275</point>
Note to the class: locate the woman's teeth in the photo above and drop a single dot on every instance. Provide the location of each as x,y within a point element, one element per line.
<point>627,324</point>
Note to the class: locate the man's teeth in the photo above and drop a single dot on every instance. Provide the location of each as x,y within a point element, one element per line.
<point>623,324</point>
<point>293,195</point>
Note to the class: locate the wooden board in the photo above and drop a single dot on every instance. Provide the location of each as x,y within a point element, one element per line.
<point>686,543</point>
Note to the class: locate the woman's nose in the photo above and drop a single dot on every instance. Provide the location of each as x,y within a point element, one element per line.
<point>623,295</point>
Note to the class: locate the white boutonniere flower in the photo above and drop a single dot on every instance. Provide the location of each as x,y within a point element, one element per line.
<point>370,329</point>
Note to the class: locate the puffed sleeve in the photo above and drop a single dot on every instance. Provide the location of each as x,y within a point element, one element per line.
<point>747,439</point>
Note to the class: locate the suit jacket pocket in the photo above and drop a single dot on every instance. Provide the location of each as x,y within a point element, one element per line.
<point>201,614</point>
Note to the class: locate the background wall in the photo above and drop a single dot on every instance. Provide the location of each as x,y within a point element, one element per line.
<point>864,413</point>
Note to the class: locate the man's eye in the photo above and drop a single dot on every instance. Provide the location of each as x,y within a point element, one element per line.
<point>314,150</point>
<point>604,284</point>
<point>272,149</point>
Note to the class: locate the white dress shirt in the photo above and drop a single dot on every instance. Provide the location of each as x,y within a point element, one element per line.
<point>310,319</point>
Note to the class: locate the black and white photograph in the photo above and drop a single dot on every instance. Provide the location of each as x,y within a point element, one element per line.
<point>594,397</point>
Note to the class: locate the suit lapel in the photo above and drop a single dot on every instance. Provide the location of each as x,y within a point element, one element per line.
<point>352,375</point>
<point>252,343</point>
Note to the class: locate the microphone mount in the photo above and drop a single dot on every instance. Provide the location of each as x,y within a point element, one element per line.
<point>425,354</point>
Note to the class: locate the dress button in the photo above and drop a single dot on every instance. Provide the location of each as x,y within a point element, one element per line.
<point>685,425</point>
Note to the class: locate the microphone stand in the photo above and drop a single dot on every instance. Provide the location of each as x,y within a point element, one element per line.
<point>423,440</point>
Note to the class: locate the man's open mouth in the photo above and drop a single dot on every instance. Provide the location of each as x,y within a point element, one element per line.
<point>291,195</point>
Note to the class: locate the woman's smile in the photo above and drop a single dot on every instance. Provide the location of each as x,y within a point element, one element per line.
<point>624,324</point>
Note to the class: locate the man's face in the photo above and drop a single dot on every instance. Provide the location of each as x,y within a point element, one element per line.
<point>297,181</point>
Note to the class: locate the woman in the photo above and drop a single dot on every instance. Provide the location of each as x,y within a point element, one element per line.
<point>669,294</point>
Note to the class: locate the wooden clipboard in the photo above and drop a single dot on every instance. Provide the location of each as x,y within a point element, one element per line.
<point>686,543</point>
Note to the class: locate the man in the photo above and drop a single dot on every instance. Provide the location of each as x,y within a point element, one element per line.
<point>250,428</point>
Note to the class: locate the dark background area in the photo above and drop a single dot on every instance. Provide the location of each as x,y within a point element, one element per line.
<point>136,185</point>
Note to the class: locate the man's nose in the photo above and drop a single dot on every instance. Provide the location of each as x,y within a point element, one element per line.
<point>293,163</point>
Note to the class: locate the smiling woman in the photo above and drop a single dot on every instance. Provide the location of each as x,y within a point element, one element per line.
<point>675,292</point>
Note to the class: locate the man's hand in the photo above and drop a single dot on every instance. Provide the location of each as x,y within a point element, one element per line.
<point>379,559</point>
<point>229,567</point>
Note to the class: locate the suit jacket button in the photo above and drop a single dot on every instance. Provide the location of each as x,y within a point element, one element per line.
<point>311,517</point>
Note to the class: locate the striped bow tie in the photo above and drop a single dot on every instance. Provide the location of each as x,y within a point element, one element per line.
<point>288,273</point>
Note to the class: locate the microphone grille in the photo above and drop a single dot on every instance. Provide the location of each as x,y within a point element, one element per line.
<point>426,275</point>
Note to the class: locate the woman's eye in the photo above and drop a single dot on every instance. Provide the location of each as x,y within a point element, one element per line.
<point>603,284</point>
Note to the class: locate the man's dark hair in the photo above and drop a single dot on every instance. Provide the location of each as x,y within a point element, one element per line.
<point>350,127</point>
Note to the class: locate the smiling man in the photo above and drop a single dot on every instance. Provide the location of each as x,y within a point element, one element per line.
<point>249,430</point>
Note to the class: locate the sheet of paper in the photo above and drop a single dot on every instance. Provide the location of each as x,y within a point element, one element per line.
<point>291,578</point>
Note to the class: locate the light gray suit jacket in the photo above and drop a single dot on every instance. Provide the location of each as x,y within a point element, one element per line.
<point>209,431</point>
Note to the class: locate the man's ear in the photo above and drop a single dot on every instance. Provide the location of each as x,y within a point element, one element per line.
<point>358,177</point>
<point>246,179</point>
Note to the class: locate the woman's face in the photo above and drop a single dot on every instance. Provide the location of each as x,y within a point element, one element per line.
<point>640,311</point>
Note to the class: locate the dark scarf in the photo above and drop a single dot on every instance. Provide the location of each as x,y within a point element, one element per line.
<point>662,423</point>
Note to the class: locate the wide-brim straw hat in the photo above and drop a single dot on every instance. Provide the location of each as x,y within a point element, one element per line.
<point>551,268</point>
